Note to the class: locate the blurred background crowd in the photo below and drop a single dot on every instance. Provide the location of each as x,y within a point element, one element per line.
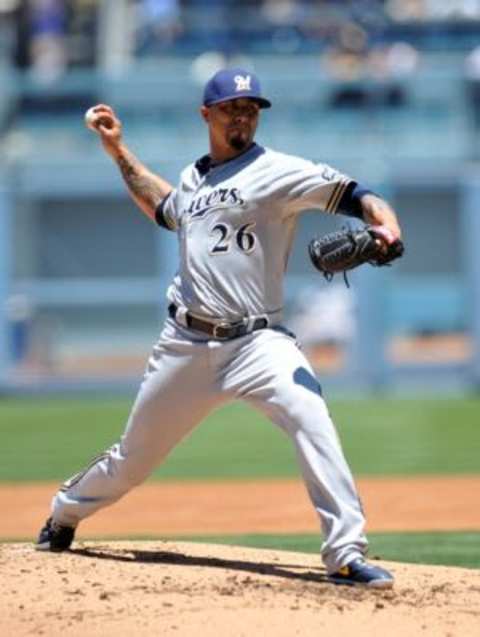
<point>49,36</point>
<point>369,47</point>
<point>385,90</point>
<point>376,41</point>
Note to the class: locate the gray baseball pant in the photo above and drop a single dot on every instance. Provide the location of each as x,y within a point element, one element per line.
<point>185,379</point>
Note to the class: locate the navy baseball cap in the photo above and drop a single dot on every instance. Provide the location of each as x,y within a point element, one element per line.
<point>228,84</point>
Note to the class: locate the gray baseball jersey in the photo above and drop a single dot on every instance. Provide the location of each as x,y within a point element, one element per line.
<point>236,224</point>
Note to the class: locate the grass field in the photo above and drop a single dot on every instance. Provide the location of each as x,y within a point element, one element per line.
<point>449,549</point>
<point>51,439</point>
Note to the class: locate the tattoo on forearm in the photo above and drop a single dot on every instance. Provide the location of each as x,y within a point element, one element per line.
<point>140,183</point>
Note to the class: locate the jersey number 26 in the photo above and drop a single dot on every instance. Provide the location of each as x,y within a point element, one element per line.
<point>226,236</point>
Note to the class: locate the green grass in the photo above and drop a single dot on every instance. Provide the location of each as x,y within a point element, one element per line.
<point>448,549</point>
<point>51,439</point>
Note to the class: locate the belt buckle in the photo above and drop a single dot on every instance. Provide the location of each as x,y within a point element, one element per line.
<point>220,325</point>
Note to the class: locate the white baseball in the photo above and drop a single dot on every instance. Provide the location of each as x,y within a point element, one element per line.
<point>89,118</point>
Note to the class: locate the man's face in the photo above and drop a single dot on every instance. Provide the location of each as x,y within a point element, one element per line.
<point>232,123</point>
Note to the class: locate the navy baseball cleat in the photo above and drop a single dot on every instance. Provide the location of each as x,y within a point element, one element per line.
<point>54,537</point>
<point>360,573</point>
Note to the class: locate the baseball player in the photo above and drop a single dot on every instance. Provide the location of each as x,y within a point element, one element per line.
<point>234,212</point>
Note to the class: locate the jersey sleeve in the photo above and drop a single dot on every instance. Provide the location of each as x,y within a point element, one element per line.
<point>314,186</point>
<point>166,214</point>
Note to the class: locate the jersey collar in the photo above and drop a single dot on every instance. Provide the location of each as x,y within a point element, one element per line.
<point>205,164</point>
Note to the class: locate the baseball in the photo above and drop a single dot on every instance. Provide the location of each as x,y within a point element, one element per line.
<point>89,118</point>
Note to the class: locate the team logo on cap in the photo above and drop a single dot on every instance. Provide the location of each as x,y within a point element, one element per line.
<point>242,82</point>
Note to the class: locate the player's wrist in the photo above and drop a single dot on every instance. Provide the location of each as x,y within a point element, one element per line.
<point>116,150</point>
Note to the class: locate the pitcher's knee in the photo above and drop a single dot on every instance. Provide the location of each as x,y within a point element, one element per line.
<point>125,469</point>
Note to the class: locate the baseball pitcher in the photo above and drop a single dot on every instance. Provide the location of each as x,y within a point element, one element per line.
<point>234,212</point>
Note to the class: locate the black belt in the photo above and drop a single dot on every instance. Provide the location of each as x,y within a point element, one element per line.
<point>220,329</point>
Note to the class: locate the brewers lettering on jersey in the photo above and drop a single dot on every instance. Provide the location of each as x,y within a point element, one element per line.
<point>234,212</point>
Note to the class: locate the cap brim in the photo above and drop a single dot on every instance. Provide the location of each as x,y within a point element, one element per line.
<point>261,101</point>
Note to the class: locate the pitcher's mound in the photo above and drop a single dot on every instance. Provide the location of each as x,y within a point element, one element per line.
<point>167,588</point>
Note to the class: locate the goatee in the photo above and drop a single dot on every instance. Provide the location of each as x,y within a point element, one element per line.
<point>238,142</point>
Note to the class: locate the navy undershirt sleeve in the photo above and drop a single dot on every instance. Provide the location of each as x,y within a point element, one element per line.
<point>350,203</point>
<point>159,214</point>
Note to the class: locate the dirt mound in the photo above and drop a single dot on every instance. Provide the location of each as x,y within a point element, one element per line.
<point>167,588</point>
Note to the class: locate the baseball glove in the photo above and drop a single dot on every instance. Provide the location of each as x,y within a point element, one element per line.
<point>347,249</point>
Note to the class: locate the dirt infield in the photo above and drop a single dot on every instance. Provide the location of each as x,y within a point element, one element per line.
<point>166,588</point>
<point>169,588</point>
<point>430,503</point>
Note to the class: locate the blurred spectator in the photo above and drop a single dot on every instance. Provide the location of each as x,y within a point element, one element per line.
<point>8,11</point>
<point>432,10</point>
<point>282,12</point>
<point>48,26</point>
<point>405,10</point>
<point>346,64</point>
<point>324,316</point>
<point>472,78</point>
<point>82,31</point>
<point>401,60</point>
<point>159,23</point>
<point>287,18</point>
<point>52,35</point>
<point>213,24</point>
<point>19,314</point>
<point>389,68</point>
<point>207,64</point>
<point>49,35</point>
<point>21,44</point>
<point>368,76</point>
